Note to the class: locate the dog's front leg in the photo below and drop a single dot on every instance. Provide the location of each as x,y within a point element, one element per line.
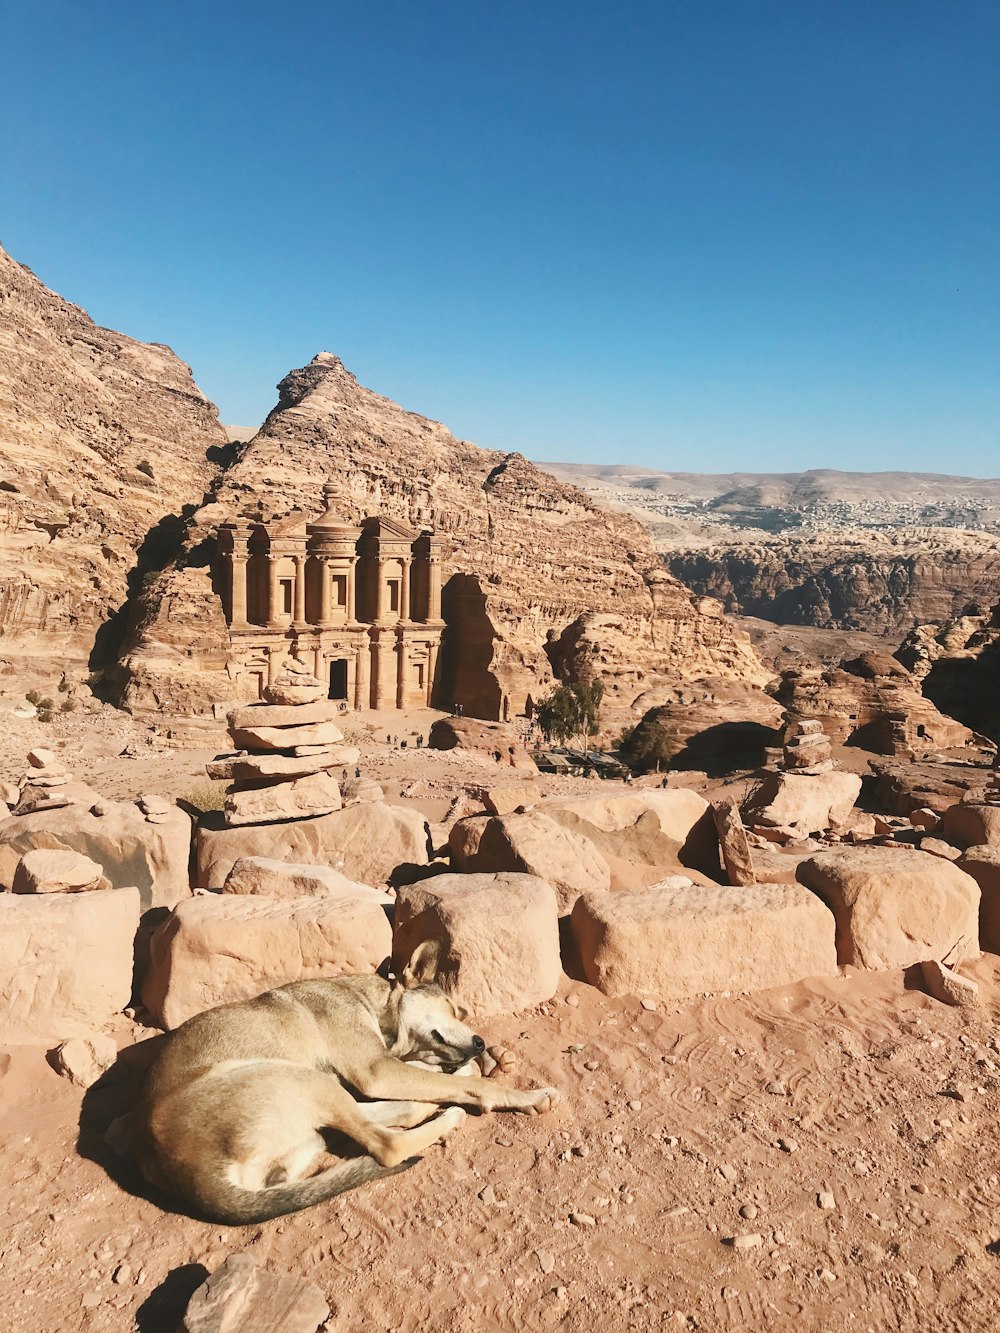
<point>398,1080</point>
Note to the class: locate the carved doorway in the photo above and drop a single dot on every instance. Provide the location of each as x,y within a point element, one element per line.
<point>338,679</point>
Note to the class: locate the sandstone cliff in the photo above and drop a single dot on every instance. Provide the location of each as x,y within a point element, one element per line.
<point>958,665</point>
<point>102,440</point>
<point>525,556</point>
<point>866,581</point>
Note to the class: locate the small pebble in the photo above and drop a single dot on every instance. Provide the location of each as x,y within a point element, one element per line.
<point>788,1145</point>
<point>487,1195</point>
<point>749,1211</point>
<point>749,1240</point>
<point>728,1172</point>
<point>776,1088</point>
<point>573,1001</point>
<point>591,1065</point>
<point>827,1276</point>
<point>826,1200</point>
<point>648,1004</point>
<point>546,1262</point>
<point>919,1187</point>
<point>122,1274</point>
<point>635,1104</point>
<point>583,1220</point>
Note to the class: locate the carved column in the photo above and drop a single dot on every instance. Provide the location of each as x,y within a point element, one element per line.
<point>434,588</point>
<point>381,592</point>
<point>362,675</point>
<point>300,592</point>
<point>318,670</point>
<point>402,663</point>
<point>324,591</point>
<point>352,602</point>
<point>432,657</point>
<point>272,593</point>
<point>238,589</point>
<point>404,592</point>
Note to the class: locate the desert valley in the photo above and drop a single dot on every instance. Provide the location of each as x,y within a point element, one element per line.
<point>689,780</point>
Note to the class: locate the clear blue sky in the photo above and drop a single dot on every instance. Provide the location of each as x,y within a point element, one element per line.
<point>698,236</point>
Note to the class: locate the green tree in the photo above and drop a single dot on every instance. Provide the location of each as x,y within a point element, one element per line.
<point>571,710</point>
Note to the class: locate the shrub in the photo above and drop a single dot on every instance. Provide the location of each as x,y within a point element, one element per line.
<point>204,796</point>
<point>68,706</point>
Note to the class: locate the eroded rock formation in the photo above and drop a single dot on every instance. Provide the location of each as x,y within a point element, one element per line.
<point>103,443</point>
<point>958,666</point>
<point>524,557</point>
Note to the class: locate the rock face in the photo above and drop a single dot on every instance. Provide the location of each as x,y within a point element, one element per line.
<point>679,939</point>
<point>525,556</point>
<point>498,935</point>
<point>131,850</point>
<point>103,442</point>
<point>214,950</point>
<point>895,907</point>
<point>65,962</point>
<point>871,701</point>
<point>957,662</point>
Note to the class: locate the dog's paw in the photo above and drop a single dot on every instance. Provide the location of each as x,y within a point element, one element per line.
<point>540,1100</point>
<point>501,1061</point>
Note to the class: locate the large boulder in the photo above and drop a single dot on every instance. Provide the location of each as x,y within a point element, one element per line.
<point>533,844</point>
<point>372,843</point>
<point>895,907</point>
<point>659,828</point>
<point>983,864</point>
<point>802,803</point>
<point>678,940</point>
<point>464,838</point>
<point>498,937</point>
<point>65,962</point>
<point>131,850</point>
<point>971,825</point>
<point>261,877</point>
<point>52,870</point>
<point>213,950</point>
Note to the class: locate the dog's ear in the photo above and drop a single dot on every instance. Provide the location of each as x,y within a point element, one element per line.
<point>423,964</point>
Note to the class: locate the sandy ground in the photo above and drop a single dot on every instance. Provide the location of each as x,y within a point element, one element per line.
<point>666,1130</point>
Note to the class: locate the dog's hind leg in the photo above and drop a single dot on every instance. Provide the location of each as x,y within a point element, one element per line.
<point>331,1106</point>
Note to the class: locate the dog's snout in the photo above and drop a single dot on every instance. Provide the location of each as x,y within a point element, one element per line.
<point>478,1045</point>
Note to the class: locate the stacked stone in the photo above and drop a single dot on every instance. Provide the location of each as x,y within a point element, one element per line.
<point>285,751</point>
<point>43,784</point>
<point>808,749</point>
<point>991,796</point>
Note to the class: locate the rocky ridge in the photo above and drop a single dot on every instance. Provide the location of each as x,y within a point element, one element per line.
<point>103,440</point>
<point>525,556</point>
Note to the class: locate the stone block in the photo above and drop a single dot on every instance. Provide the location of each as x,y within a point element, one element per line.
<point>245,767</point>
<point>680,940</point>
<point>661,828</point>
<point>295,798</point>
<point>733,844</point>
<point>258,876</point>
<point>216,949</point>
<point>802,803</point>
<point>947,986</point>
<point>372,843</point>
<point>498,935</point>
<point>54,870</point>
<point>533,844</point>
<point>508,799</point>
<point>278,715</point>
<point>971,825</point>
<point>285,738</point>
<point>895,907</point>
<point>983,864</point>
<point>65,962</point>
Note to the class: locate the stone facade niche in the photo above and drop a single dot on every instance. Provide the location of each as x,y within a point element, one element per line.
<point>360,604</point>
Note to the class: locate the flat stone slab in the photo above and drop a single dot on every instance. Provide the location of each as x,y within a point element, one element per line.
<point>248,767</point>
<point>681,940</point>
<point>260,876</point>
<point>239,1297</point>
<point>216,949</point>
<point>498,936</point>
<point>895,907</point>
<point>294,798</point>
<point>285,737</point>
<point>282,715</point>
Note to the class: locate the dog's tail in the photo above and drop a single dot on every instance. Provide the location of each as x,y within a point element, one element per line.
<point>240,1207</point>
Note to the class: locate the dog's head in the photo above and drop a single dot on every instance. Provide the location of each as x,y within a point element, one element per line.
<point>431,1026</point>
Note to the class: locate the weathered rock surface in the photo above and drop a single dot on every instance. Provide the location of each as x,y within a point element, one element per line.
<point>84,1059</point>
<point>734,845</point>
<point>533,844</point>
<point>54,871</point>
<point>678,939</point>
<point>526,555</point>
<point>294,798</point>
<point>213,950</point>
<point>286,737</point>
<point>65,962</point>
<point>895,907</point>
<point>372,843</point>
<point>971,824</point>
<point>802,803</point>
<point>948,986</point>
<point>957,661</point>
<point>259,876</point>
<point>498,934</point>
<point>240,1297</point>
<point>495,740</point>
<point>102,441</point>
<point>131,851</point>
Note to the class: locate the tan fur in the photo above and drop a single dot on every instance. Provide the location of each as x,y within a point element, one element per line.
<point>233,1110</point>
